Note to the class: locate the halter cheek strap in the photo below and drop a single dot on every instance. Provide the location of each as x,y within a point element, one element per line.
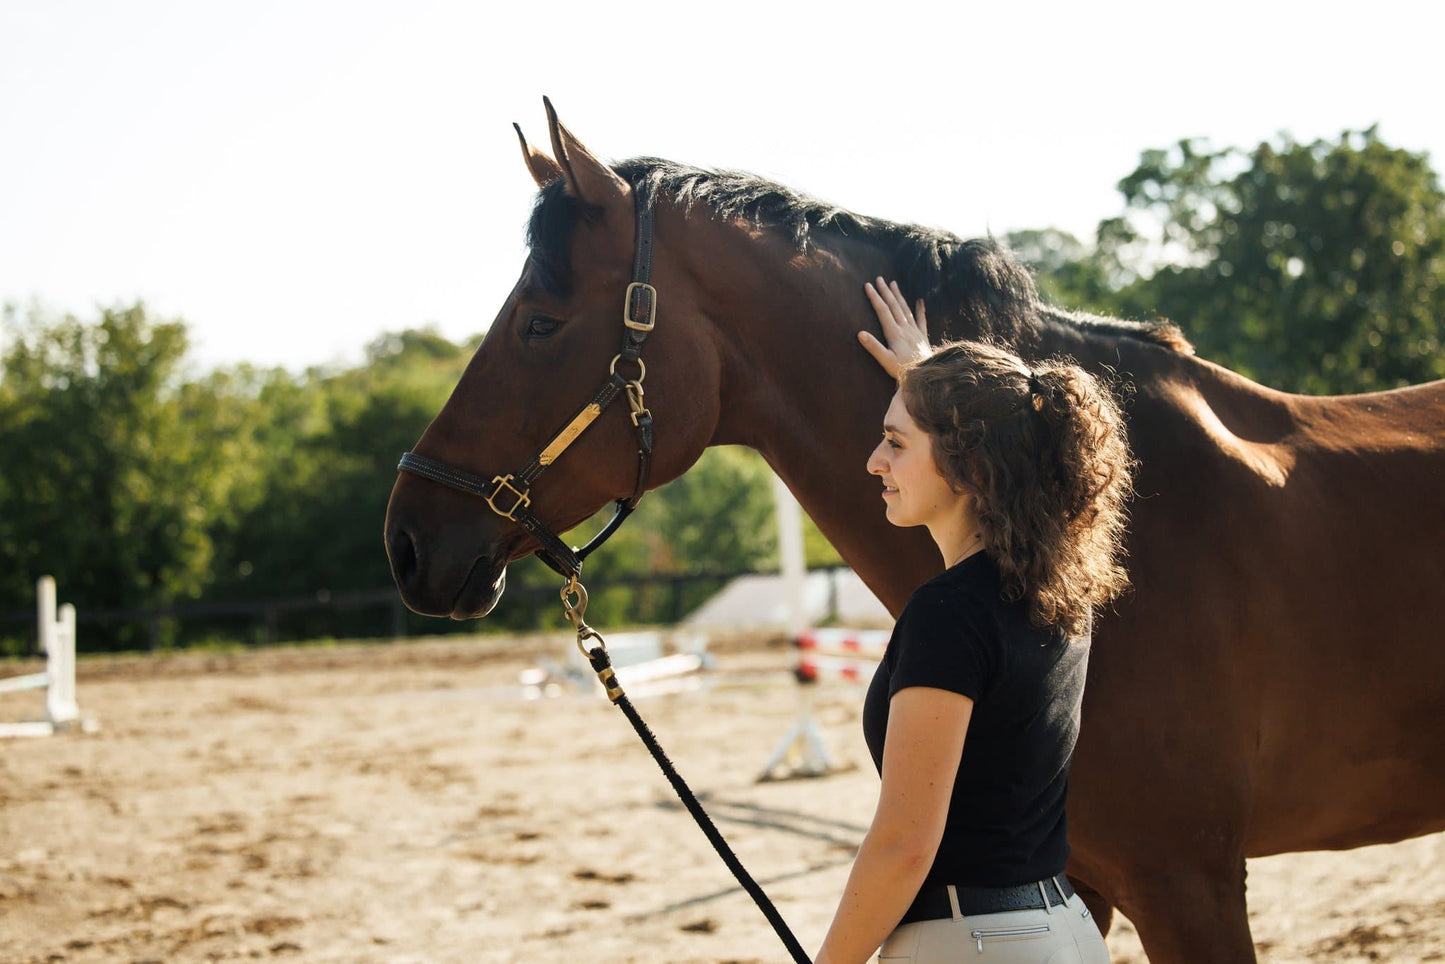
<point>510,496</point>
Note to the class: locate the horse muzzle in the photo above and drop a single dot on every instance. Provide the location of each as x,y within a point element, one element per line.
<point>434,582</point>
<point>481,591</point>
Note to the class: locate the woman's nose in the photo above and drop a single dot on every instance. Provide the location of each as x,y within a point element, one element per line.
<point>877,465</point>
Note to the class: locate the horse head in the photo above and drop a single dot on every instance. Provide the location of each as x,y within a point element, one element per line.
<point>553,343</point>
<point>760,294</point>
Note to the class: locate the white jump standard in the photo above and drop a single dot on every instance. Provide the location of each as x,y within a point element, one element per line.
<point>57,641</point>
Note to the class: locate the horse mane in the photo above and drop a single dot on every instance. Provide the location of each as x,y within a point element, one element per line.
<point>978,281</point>
<point>1160,332</point>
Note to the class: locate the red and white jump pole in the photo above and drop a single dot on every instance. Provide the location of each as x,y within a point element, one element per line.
<point>846,654</point>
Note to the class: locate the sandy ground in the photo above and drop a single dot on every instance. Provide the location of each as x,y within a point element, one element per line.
<point>404,803</point>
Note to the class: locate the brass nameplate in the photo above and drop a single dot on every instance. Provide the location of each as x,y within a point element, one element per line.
<point>569,434</point>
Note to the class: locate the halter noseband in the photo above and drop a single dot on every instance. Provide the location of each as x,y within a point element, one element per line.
<point>509,496</point>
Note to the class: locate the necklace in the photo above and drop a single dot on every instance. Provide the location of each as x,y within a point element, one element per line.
<point>969,549</point>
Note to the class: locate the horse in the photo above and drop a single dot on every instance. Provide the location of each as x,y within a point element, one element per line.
<point>1270,684</point>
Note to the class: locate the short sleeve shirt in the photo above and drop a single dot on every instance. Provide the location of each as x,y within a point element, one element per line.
<point>1006,822</point>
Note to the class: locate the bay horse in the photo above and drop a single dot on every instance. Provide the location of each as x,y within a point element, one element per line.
<point>1272,683</point>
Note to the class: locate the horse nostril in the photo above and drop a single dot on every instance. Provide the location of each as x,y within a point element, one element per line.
<point>403,558</point>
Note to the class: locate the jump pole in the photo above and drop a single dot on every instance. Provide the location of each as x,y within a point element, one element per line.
<point>847,654</point>
<point>56,630</point>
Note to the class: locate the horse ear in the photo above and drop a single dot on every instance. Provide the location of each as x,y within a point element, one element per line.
<point>544,169</point>
<point>588,179</point>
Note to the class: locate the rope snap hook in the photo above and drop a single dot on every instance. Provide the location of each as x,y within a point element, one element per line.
<point>574,601</point>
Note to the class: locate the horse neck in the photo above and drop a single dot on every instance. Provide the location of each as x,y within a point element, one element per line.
<point>797,387</point>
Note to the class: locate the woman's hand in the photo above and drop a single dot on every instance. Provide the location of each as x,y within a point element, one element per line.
<point>907,339</point>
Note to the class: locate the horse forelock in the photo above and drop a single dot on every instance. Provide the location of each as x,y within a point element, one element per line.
<point>549,233</point>
<point>978,283</point>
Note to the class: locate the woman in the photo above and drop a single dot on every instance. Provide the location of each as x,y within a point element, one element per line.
<point>1020,475</point>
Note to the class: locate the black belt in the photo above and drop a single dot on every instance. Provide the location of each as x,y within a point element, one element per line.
<point>933,903</point>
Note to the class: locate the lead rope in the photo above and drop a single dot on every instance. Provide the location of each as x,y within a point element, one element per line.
<point>574,604</point>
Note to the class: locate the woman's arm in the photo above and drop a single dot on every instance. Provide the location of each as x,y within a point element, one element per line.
<point>926,729</point>
<point>907,339</point>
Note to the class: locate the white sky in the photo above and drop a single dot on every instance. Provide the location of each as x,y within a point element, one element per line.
<point>295,177</point>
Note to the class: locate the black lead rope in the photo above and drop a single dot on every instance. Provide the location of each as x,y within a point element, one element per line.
<point>601,664</point>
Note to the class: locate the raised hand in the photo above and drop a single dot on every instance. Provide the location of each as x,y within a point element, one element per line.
<point>907,338</point>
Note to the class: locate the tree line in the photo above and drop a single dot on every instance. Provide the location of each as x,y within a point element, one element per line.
<point>1314,267</point>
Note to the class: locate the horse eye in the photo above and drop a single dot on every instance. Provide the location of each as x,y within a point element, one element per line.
<point>542,327</point>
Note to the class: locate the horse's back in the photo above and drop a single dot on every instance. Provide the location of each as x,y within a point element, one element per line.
<point>1410,418</point>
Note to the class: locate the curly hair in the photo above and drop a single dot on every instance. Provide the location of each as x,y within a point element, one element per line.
<point>1044,453</point>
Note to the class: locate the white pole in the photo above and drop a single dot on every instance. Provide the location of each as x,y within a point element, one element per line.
<point>57,641</point>
<point>45,614</point>
<point>60,706</point>
<point>790,552</point>
<point>803,739</point>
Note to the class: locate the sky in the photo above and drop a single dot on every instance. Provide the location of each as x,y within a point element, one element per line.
<point>294,178</point>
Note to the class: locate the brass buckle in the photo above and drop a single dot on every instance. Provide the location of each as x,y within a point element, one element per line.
<point>651,305</point>
<point>523,498</point>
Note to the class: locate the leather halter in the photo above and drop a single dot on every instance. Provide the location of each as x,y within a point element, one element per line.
<point>509,496</point>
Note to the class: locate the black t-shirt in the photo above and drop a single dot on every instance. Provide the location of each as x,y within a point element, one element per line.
<point>1006,818</point>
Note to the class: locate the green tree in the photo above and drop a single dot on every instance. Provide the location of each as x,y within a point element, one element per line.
<point>1067,270</point>
<point>327,444</point>
<point>109,471</point>
<point>1310,267</point>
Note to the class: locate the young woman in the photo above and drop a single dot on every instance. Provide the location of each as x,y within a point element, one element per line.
<point>1020,473</point>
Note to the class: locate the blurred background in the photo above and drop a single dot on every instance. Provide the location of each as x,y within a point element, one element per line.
<point>247,249</point>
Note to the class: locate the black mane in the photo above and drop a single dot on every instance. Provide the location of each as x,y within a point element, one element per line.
<point>978,281</point>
